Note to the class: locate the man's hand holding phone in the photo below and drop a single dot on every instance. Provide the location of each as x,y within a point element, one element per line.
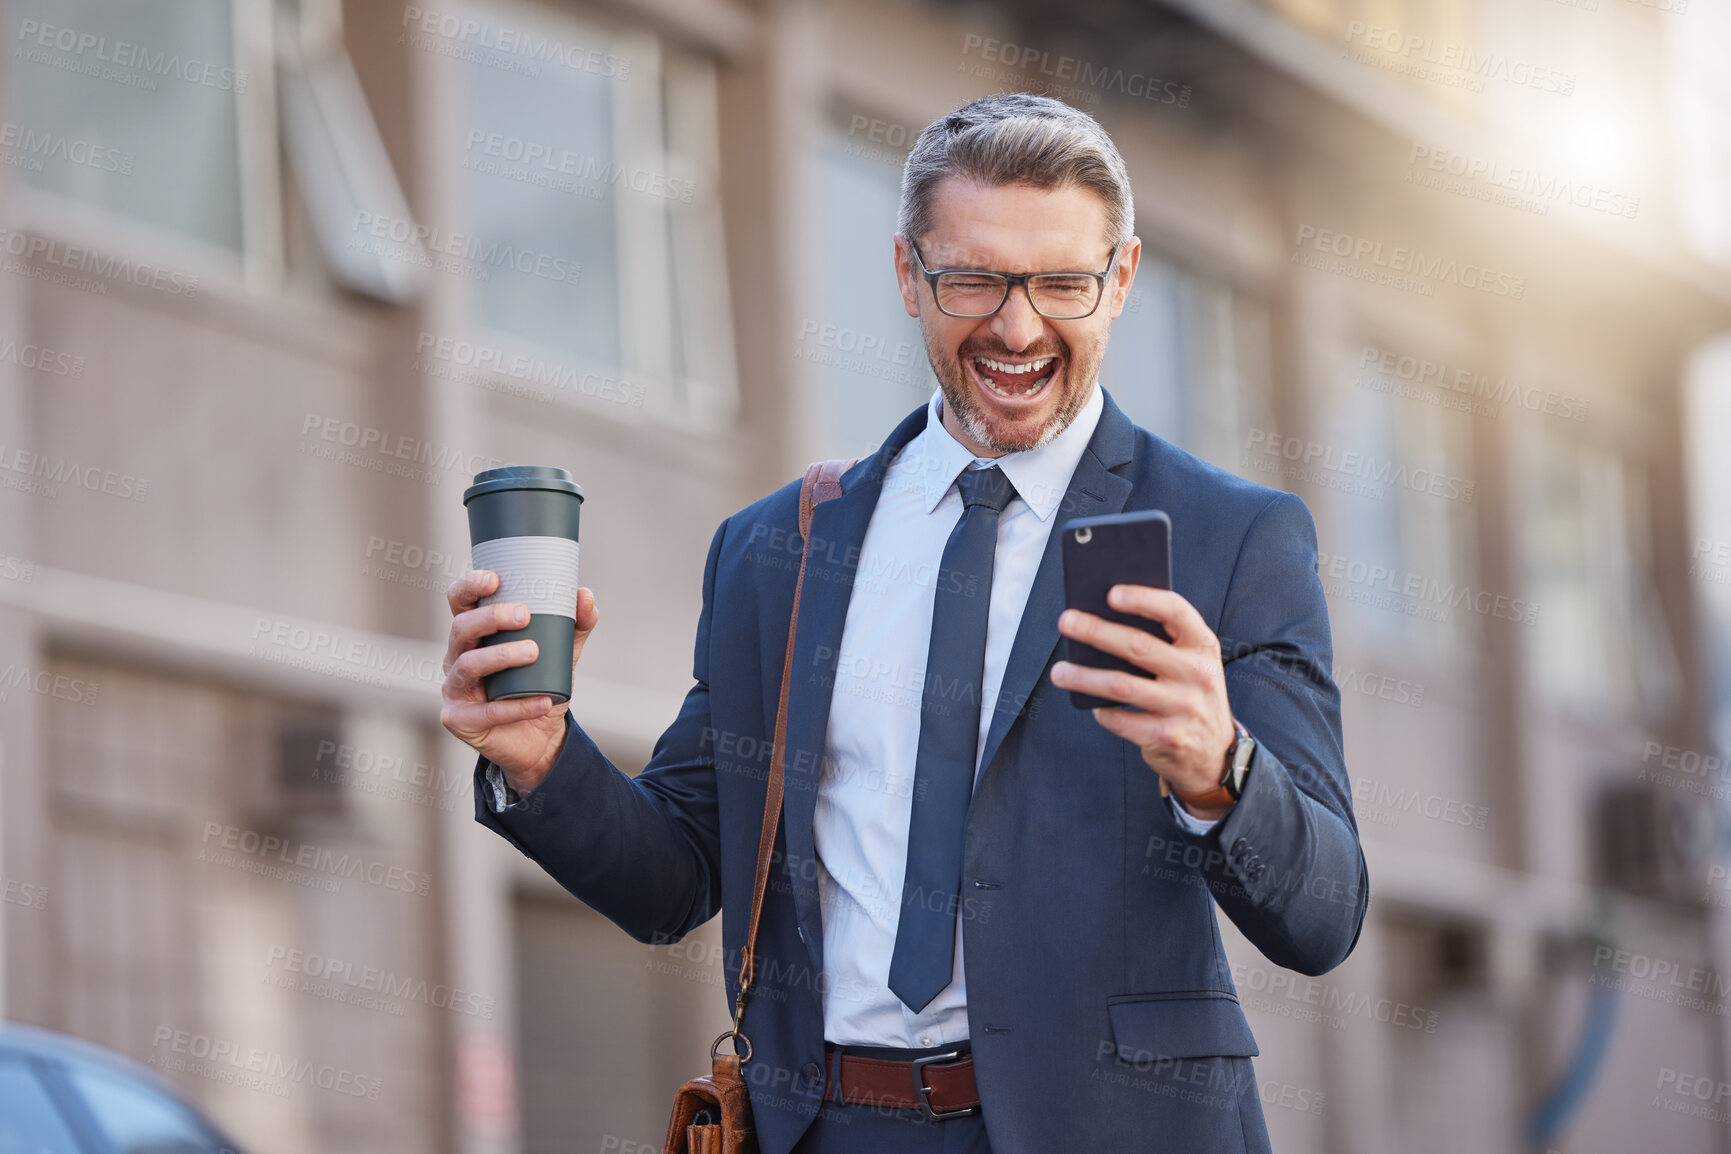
<point>522,736</point>
<point>1184,727</point>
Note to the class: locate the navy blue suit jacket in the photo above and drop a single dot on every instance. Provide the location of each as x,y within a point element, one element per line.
<point>1101,1009</point>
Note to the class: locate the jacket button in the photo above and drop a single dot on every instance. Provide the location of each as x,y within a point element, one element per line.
<point>813,1073</point>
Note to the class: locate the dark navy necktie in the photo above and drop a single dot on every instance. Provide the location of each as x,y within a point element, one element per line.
<point>949,742</point>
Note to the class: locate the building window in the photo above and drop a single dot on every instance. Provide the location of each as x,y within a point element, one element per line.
<point>863,350</point>
<point>189,848</point>
<point>590,159</point>
<point>163,118</point>
<point>1454,1079</point>
<point>1402,566</point>
<point>1187,360</point>
<point>137,111</point>
<point>1700,99</point>
<point>579,979</point>
<point>1601,646</point>
<point>1707,416</point>
<point>1145,364</point>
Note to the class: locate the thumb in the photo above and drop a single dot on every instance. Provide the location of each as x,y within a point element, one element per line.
<point>587,618</point>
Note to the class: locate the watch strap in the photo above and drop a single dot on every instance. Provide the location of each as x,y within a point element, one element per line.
<point>1222,794</point>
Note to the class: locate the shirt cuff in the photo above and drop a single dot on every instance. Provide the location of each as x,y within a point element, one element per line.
<point>1191,823</point>
<point>504,797</point>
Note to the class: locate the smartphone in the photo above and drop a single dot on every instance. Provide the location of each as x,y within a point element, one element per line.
<point>1100,552</point>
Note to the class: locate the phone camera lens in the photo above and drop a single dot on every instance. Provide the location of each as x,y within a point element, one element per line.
<point>1083,536</point>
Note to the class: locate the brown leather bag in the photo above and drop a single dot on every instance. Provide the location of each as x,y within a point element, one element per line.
<point>712,1112</point>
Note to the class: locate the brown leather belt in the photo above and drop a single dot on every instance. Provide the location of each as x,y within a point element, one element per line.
<point>938,1086</point>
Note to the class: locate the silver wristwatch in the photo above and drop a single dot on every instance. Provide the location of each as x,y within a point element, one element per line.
<point>1238,756</point>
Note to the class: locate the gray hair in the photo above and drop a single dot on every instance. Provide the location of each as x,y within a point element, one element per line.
<point>1016,138</point>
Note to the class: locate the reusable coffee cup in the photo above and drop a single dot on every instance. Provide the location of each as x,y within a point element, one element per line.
<point>523,526</point>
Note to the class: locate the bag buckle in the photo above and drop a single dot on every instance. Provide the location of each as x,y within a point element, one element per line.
<point>923,1093</point>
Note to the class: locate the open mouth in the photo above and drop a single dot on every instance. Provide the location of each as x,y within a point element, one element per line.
<point>1015,380</point>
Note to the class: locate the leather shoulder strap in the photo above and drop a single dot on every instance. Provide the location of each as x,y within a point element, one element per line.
<point>822,482</point>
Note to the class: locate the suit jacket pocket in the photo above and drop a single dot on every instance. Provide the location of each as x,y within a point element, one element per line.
<point>1180,1024</point>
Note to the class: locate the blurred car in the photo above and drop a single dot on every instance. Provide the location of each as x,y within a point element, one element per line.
<point>60,1095</point>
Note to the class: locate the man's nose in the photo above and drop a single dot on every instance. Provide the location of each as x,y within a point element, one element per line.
<point>1016,324</point>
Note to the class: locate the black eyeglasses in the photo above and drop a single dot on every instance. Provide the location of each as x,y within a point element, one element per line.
<point>1057,296</point>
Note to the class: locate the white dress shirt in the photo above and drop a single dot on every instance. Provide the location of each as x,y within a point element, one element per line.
<point>865,797</point>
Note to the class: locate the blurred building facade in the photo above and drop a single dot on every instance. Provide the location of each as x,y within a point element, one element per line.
<point>279,278</point>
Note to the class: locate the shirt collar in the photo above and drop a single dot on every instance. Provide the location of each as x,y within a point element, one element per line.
<point>1041,476</point>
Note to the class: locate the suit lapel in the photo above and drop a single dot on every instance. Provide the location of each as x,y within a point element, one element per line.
<point>1094,490</point>
<point>838,529</point>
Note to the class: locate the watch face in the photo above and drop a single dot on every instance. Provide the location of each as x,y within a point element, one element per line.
<point>1242,751</point>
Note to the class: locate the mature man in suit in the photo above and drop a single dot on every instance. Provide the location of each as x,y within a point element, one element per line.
<point>987,904</point>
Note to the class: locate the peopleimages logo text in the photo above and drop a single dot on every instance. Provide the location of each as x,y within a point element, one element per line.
<point>55,471</point>
<point>80,259</point>
<point>514,42</point>
<point>1523,179</point>
<point>1362,466</point>
<point>564,162</point>
<point>120,53</point>
<point>1415,51</point>
<point>1106,78</point>
<point>465,246</point>
<point>1419,587</point>
<point>58,146</point>
<point>342,865</point>
<point>1469,383</point>
<point>1400,259</point>
<point>362,652</point>
<point>385,983</point>
<point>202,1054</point>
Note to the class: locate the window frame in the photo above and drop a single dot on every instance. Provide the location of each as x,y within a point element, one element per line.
<point>702,406</point>
<point>1609,480</point>
<point>259,265</point>
<point>1440,650</point>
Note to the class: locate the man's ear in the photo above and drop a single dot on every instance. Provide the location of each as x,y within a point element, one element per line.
<point>1124,275</point>
<point>906,276</point>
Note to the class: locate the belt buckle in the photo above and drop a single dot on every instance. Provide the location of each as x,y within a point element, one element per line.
<point>922,1092</point>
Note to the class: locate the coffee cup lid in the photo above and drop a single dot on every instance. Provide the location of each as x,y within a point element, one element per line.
<point>549,477</point>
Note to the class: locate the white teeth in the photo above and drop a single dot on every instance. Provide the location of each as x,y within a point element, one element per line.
<point>1033,366</point>
<point>1006,367</point>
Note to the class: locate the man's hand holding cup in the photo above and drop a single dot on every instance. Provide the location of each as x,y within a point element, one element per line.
<point>521,735</point>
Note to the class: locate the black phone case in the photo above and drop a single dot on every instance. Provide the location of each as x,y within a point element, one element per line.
<point>1100,552</point>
